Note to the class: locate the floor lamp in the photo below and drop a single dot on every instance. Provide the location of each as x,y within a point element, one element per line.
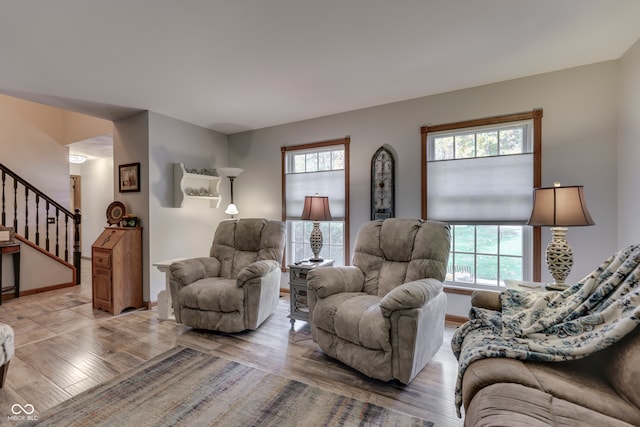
<point>559,207</point>
<point>231,173</point>
<point>316,209</point>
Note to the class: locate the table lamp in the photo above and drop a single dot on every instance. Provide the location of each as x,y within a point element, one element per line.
<point>559,207</point>
<point>316,209</point>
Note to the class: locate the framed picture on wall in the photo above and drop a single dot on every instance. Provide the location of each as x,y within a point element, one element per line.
<point>129,177</point>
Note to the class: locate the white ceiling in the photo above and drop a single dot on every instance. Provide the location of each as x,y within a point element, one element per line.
<point>234,65</point>
<point>98,147</point>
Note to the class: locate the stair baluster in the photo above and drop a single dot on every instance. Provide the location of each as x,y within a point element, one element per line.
<point>26,213</point>
<point>37,219</point>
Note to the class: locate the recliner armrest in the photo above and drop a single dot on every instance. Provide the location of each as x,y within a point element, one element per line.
<point>257,270</point>
<point>189,270</point>
<point>410,295</point>
<point>325,281</point>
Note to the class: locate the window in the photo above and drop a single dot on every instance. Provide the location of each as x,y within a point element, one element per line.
<point>486,255</point>
<point>321,168</point>
<point>479,177</point>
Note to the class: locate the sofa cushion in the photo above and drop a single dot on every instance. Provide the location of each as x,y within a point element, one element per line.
<point>388,253</point>
<point>239,243</point>
<point>507,404</point>
<point>489,300</point>
<point>272,241</point>
<point>213,294</point>
<point>248,234</point>
<point>373,363</point>
<point>622,366</point>
<point>563,380</point>
<point>216,320</point>
<point>354,317</point>
<point>241,260</point>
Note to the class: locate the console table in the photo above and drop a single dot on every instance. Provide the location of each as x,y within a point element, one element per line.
<point>14,249</point>
<point>298,284</point>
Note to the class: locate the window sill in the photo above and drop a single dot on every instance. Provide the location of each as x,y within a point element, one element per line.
<point>451,288</point>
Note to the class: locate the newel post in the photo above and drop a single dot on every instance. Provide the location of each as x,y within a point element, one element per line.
<point>76,244</point>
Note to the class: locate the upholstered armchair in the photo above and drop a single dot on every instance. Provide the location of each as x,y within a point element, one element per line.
<point>384,315</point>
<point>6,350</point>
<point>237,286</point>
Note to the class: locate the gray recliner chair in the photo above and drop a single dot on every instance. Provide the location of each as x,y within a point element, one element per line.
<point>384,316</point>
<point>238,286</point>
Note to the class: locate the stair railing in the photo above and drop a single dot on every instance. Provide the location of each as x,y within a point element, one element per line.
<point>52,211</point>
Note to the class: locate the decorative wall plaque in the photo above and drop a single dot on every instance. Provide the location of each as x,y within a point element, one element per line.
<point>383,201</point>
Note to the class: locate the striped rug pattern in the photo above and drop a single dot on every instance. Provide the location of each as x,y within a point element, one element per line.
<point>186,387</point>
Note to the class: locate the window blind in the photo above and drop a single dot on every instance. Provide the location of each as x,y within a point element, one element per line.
<point>481,190</point>
<point>325,183</point>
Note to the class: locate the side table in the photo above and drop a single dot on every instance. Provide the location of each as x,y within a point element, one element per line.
<point>298,284</point>
<point>14,249</point>
<point>165,305</point>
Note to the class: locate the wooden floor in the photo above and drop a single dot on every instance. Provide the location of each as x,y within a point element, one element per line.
<point>63,347</point>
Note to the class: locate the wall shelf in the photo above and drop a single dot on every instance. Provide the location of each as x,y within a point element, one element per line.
<point>187,185</point>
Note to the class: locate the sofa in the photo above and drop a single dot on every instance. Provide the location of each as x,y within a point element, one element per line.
<point>602,389</point>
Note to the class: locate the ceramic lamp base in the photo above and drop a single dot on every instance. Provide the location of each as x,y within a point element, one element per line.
<point>316,242</point>
<point>559,256</point>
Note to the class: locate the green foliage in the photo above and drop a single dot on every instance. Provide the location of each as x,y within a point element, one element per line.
<point>486,254</point>
<point>482,143</point>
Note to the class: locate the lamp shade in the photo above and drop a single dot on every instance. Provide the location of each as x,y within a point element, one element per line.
<point>232,209</point>
<point>230,172</point>
<point>560,207</point>
<point>316,208</point>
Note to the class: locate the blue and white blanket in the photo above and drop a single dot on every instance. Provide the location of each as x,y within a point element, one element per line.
<point>555,326</point>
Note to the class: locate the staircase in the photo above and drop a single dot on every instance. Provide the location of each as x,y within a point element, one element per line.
<point>39,221</point>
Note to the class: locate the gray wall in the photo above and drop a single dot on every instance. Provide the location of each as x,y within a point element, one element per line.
<point>131,145</point>
<point>188,231</point>
<point>157,141</point>
<point>629,149</point>
<point>96,185</point>
<point>579,134</point>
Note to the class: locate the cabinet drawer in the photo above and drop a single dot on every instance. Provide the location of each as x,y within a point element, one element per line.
<point>102,259</point>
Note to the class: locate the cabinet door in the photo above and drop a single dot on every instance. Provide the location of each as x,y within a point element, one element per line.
<point>102,293</point>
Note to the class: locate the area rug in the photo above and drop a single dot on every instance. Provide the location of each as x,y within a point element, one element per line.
<point>186,387</point>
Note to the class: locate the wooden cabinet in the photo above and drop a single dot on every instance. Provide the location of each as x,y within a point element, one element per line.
<point>187,185</point>
<point>116,269</point>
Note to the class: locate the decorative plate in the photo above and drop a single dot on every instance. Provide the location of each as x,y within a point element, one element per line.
<point>115,212</point>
